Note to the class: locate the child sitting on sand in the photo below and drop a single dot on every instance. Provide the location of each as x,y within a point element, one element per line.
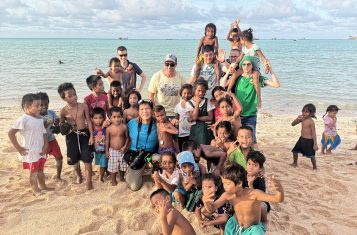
<point>246,201</point>
<point>220,216</point>
<point>98,117</point>
<point>239,150</point>
<point>330,136</point>
<point>80,134</point>
<point>172,221</point>
<point>51,121</point>
<point>168,178</point>
<point>131,105</point>
<point>222,136</point>
<point>306,144</point>
<point>30,126</point>
<point>116,144</point>
<point>115,95</point>
<point>165,131</point>
<point>187,192</point>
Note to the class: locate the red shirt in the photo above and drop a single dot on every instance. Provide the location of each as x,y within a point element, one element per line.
<point>100,101</point>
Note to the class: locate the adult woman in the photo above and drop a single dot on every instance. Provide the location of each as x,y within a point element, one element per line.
<point>143,136</point>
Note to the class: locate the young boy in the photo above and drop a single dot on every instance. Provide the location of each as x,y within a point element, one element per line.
<point>306,144</point>
<point>188,186</point>
<point>98,117</point>
<point>165,130</point>
<point>238,153</point>
<point>172,221</point>
<point>51,120</point>
<point>255,177</point>
<point>196,150</point>
<point>246,201</point>
<point>115,73</point>
<point>116,144</point>
<point>98,98</point>
<point>78,141</point>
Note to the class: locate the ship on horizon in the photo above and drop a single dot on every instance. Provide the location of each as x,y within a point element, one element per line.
<point>353,37</point>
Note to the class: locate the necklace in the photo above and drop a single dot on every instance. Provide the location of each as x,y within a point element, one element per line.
<point>70,114</point>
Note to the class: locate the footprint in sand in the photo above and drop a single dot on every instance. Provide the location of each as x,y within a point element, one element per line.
<point>94,226</point>
<point>299,230</point>
<point>321,228</point>
<point>320,213</point>
<point>105,210</point>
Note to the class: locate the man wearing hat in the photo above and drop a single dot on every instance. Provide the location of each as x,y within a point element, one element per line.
<point>165,85</point>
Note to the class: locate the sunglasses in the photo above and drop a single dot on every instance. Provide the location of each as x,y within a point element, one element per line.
<point>170,64</point>
<point>123,55</point>
<point>247,64</point>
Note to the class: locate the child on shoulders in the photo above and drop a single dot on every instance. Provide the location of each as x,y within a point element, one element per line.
<point>116,144</point>
<point>330,136</point>
<point>115,73</point>
<point>306,144</point>
<point>31,128</point>
<point>165,131</point>
<point>131,105</point>
<point>51,122</point>
<point>233,35</point>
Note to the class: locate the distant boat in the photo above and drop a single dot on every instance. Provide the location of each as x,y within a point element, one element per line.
<point>273,39</point>
<point>121,38</point>
<point>352,37</point>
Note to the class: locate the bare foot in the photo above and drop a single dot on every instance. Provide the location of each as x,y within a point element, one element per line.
<point>79,179</point>
<point>315,169</point>
<point>121,179</point>
<point>114,183</point>
<point>101,179</point>
<point>47,188</point>
<point>89,185</point>
<point>293,165</point>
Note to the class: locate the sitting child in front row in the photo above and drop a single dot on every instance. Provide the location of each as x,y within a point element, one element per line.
<point>169,178</point>
<point>246,201</point>
<point>220,216</point>
<point>172,221</point>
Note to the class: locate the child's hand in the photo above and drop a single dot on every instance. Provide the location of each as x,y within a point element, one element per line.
<point>300,118</point>
<point>175,122</point>
<point>99,71</point>
<point>197,100</point>
<point>91,140</point>
<point>106,123</point>
<point>259,105</point>
<point>250,179</point>
<point>221,55</point>
<point>107,154</point>
<point>129,68</point>
<point>267,67</point>
<point>316,147</point>
<point>22,151</point>
<point>163,208</point>
<point>274,185</point>
<point>208,197</point>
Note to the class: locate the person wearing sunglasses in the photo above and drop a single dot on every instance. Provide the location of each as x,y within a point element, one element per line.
<point>165,85</point>
<point>130,70</point>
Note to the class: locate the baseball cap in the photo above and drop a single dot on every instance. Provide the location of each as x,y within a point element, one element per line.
<point>171,57</point>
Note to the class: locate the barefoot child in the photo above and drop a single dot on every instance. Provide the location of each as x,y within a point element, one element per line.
<point>306,144</point>
<point>165,131</point>
<point>131,105</point>
<point>98,117</point>
<point>222,136</point>
<point>229,114</point>
<point>246,201</point>
<point>31,128</point>
<point>330,136</point>
<point>78,140</point>
<point>210,38</point>
<point>97,98</point>
<point>115,95</point>
<point>239,150</point>
<point>115,73</point>
<point>116,144</point>
<point>233,35</point>
<point>168,179</point>
<point>172,221</point>
<point>217,219</point>
<point>51,120</point>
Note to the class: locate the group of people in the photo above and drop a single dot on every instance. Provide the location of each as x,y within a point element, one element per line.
<point>211,116</point>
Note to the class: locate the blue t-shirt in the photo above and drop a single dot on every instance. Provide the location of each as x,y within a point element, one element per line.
<point>152,141</point>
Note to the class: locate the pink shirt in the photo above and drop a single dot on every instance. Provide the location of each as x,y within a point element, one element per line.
<point>330,126</point>
<point>100,101</point>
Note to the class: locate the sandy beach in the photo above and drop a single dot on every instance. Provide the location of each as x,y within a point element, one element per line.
<point>316,202</point>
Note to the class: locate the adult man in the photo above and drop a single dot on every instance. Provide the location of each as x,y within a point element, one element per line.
<point>128,67</point>
<point>231,65</point>
<point>165,85</point>
<point>208,70</point>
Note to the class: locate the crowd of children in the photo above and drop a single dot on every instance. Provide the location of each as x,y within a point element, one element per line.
<point>228,193</point>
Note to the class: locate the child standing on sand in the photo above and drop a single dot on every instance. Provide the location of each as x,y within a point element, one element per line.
<point>80,135</point>
<point>116,144</point>
<point>30,126</point>
<point>306,144</point>
<point>330,136</point>
<point>51,120</point>
<point>172,221</point>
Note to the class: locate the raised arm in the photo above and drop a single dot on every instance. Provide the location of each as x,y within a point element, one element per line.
<point>297,120</point>
<point>274,82</point>
<point>167,218</point>
<point>273,198</point>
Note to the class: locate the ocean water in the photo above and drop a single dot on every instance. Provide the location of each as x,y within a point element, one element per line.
<point>322,72</point>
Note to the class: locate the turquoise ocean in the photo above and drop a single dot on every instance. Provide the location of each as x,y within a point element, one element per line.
<point>322,72</point>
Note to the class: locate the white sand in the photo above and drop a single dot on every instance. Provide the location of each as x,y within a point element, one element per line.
<point>316,202</point>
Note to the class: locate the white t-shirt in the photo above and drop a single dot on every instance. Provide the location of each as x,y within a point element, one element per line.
<point>173,179</point>
<point>31,130</point>
<point>184,124</point>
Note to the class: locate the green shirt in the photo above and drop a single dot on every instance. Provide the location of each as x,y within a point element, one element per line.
<point>238,157</point>
<point>247,96</point>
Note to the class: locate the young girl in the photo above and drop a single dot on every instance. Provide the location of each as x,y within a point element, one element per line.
<point>131,105</point>
<point>233,35</point>
<point>252,49</point>
<point>217,219</point>
<point>222,139</point>
<point>219,93</point>
<point>200,113</point>
<point>182,114</point>
<point>168,179</point>
<point>306,144</point>
<point>330,136</point>
<point>210,38</point>
<point>115,95</point>
<point>32,129</point>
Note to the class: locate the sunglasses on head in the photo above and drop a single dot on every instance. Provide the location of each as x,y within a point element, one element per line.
<point>123,55</point>
<point>167,64</point>
<point>145,101</point>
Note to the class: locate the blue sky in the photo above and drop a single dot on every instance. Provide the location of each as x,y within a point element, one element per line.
<point>176,18</point>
